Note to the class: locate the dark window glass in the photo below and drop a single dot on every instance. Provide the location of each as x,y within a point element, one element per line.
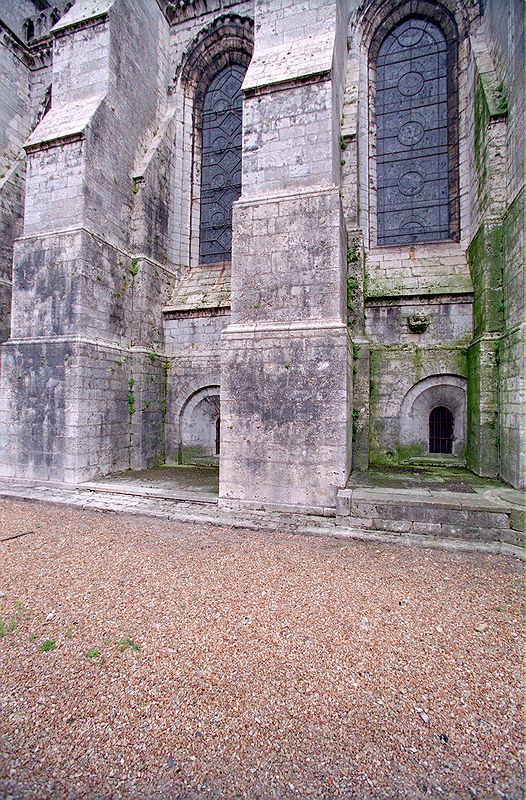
<point>218,436</point>
<point>412,134</point>
<point>440,430</point>
<point>29,29</point>
<point>221,163</point>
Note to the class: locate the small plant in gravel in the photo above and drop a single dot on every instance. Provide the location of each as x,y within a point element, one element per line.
<point>6,626</point>
<point>93,652</point>
<point>48,645</point>
<point>127,644</point>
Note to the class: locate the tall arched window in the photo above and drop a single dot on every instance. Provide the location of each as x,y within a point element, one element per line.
<point>221,163</point>
<point>416,138</point>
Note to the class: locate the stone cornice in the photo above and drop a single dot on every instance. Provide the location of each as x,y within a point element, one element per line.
<point>15,44</point>
<point>177,11</point>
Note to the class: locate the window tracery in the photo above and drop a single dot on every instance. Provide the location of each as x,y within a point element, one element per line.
<point>220,163</point>
<point>416,190</point>
<point>411,118</point>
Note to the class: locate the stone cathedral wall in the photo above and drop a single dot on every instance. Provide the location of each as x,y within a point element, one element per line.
<point>505,24</point>
<point>312,349</point>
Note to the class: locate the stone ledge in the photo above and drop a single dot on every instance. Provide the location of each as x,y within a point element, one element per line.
<point>300,60</point>
<point>427,498</point>
<point>165,494</point>
<point>83,14</point>
<point>63,494</point>
<point>379,287</point>
<point>241,330</point>
<point>282,508</point>
<point>63,124</point>
<point>486,516</point>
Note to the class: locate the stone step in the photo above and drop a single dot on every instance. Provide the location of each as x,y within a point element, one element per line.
<point>451,462</point>
<point>131,490</point>
<point>481,517</point>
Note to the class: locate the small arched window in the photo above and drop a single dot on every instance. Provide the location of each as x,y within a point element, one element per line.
<point>416,139</point>
<point>441,424</point>
<point>221,163</point>
<point>54,17</point>
<point>29,28</point>
<point>41,26</point>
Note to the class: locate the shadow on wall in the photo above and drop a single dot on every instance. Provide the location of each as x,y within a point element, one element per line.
<point>199,428</point>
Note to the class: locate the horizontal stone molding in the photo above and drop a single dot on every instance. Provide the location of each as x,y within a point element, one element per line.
<point>19,48</point>
<point>300,194</point>
<point>424,300</point>
<point>78,340</point>
<point>241,330</point>
<point>195,313</point>
<point>55,141</point>
<point>398,287</point>
<point>494,337</point>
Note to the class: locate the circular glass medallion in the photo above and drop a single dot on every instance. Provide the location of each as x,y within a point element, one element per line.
<point>413,225</point>
<point>411,133</point>
<point>410,83</point>
<point>217,219</point>
<point>411,183</point>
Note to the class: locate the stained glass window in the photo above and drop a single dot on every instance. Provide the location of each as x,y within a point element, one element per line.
<point>221,163</point>
<point>412,155</point>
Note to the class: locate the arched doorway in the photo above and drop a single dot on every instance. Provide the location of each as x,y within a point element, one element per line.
<point>441,427</point>
<point>199,428</point>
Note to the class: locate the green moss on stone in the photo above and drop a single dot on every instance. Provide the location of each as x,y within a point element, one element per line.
<point>486,263</point>
<point>352,290</point>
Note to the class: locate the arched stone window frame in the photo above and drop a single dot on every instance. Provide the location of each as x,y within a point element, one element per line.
<point>229,39</point>
<point>374,18</point>
<point>436,390</point>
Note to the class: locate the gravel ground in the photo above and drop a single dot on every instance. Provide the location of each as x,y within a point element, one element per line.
<point>205,662</point>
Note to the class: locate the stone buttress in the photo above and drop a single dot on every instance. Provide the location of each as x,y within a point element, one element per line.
<point>76,362</point>
<point>286,372</point>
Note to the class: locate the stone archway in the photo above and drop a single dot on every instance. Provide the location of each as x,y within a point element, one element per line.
<point>198,427</point>
<point>447,391</point>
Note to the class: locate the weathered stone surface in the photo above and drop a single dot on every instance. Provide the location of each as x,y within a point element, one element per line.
<point>316,348</point>
<point>274,451</point>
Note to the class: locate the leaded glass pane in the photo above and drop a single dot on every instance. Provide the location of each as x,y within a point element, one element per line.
<point>412,135</point>
<point>221,163</point>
